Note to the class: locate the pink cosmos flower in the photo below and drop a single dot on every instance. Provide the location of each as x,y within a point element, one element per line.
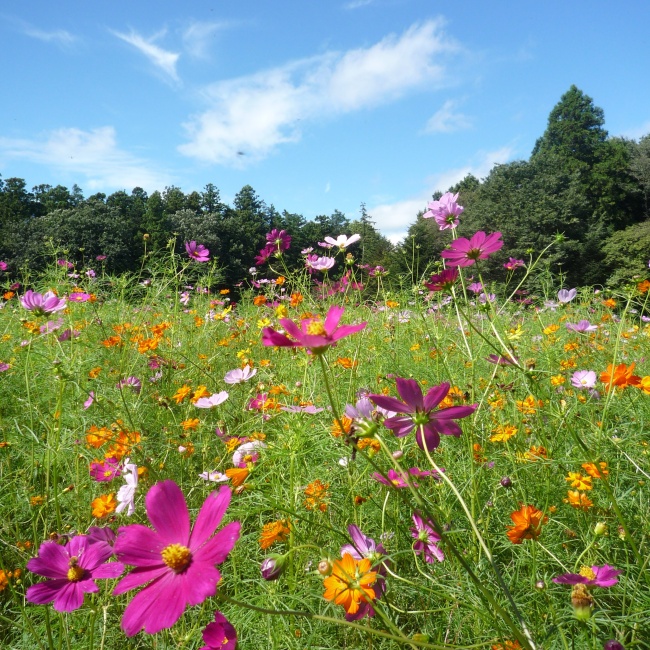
<point>265,254</point>
<point>399,480</point>
<point>294,408</point>
<point>596,576</point>
<point>583,379</point>
<point>212,401</point>
<point>279,239</point>
<point>239,375</point>
<point>3,266</point>
<point>566,296</point>
<point>513,264</point>
<point>131,382</point>
<point>247,453</point>
<point>419,412</point>
<point>79,296</point>
<point>73,569</point>
<point>442,281</point>
<point>582,326</point>
<point>220,635</point>
<point>465,252</point>
<point>106,470</point>
<point>177,562</point>
<point>313,333</point>
<point>319,263</point>
<point>198,252</point>
<point>90,400</point>
<point>445,211</point>
<point>42,304</point>
<point>426,540</point>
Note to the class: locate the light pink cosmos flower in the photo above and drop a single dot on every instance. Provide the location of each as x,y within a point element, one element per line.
<point>240,375</point>
<point>445,211</point>
<point>565,296</point>
<point>212,401</point>
<point>131,382</point>
<point>72,569</point>
<point>247,453</point>
<point>42,304</point>
<point>342,241</point>
<point>465,252</point>
<point>582,326</point>
<point>198,252</point>
<point>176,562</point>
<point>126,494</point>
<point>313,333</point>
<point>214,477</point>
<point>319,263</point>
<point>583,379</point>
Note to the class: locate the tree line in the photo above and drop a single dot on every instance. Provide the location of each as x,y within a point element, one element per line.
<point>583,191</point>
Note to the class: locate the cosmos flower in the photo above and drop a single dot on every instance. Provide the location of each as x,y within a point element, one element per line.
<point>426,540</point>
<point>42,304</point>
<point>197,252</point>
<point>131,382</point>
<point>313,333</point>
<point>342,241</point>
<point>176,562</point>
<point>528,522</point>
<point>596,576</point>
<point>513,264</point>
<point>279,239</point>
<point>445,211</point>
<point>126,494</point>
<point>220,635</point>
<point>582,326</point>
<point>465,252</point>
<point>620,376</point>
<point>319,263</point>
<point>565,296</point>
<point>583,379</point>
<point>240,375</point>
<point>351,585</point>
<point>442,281</point>
<point>419,412</point>
<point>212,400</point>
<point>72,569</point>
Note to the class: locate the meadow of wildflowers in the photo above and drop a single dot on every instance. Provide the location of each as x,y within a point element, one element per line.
<point>316,460</point>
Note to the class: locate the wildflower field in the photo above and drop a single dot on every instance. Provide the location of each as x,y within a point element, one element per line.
<point>317,460</point>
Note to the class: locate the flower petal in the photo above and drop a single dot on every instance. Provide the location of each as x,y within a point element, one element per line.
<point>410,391</point>
<point>138,545</point>
<point>215,550</point>
<point>52,561</point>
<point>168,513</point>
<point>210,516</point>
<point>139,577</point>
<point>435,395</point>
<point>71,596</point>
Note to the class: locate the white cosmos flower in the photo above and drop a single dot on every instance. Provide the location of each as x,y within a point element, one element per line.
<point>342,241</point>
<point>239,375</point>
<point>126,494</point>
<point>212,401</point>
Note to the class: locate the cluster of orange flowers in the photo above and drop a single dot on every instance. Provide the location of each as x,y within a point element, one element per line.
<point>122,441</point>
<point>316,494</point>
<point>578,497</point>
<point>274,531</point>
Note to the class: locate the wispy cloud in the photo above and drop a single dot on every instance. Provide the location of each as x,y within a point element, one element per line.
<point>58,36</point>
<point>637,132</point>
<point>256,113</point>
<point>163,59</point>
<point>394,219</point>
<point>448,119</point>
<point>356,4</point>
<point>197,37</point>
<point>93,154</point>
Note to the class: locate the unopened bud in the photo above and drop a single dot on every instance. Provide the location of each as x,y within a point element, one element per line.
<point>600,529</point>
<point>582,602</point>
<point>273,566</point>
<point>398,454</point>
<point>421,638</point>
<point>325,567</point>
<point>613,644</point>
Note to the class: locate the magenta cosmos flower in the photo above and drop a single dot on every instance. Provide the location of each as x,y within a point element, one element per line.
<point>42,304</point>
<point>465,252</point>
<point>418,412</point>
<point>595,576</point>
<point>426,540</point>
<point>198,252</point>
<point>313,333</point>
<point>73,569</point>
<point>220,635</point>
<point>177,563</point>
<point>445,211</point>
<point>513,264</point>
<point>443,281</point>
<point>280,240</point>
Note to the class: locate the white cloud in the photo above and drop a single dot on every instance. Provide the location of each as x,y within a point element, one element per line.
<point>196,38</point>
<point>60,36</point>
<point>447,119</point>
<point>355,4</point>
<point>256,113</point>
<point>93,154</point>
<point>162,59</point>
<point>394,219</point>
<point>328,187</point>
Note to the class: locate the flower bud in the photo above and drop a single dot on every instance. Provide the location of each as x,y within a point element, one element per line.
<point>582,602</point>
<point>613,644</point>
<point>398,454</point>
<point>540,584</point>
<point>325,567</point>
<point>273,566</point>
<point>421,638</point>
<point>506,482</point>
<point>600,529</point>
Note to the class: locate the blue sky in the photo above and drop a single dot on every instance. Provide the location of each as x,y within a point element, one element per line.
<point>318,105</point>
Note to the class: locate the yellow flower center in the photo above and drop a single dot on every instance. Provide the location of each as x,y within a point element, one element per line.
<point>587,572</point>
<point>316,328</point>
<point>176,557</point>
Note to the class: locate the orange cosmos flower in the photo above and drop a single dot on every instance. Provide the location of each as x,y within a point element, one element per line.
<point>274,531</point>
<point>182,393</point>
<point>350,583</point>
<point>296,299</point>
<point>529,405</point>
<point>508,645</point>
<point>578,500</point>
<point>579,481</point>
<point>528,522</point>
<point>620,376</point>
<point>594,472</point>
<point>336,427</point>
<point>316,493</point>
<point>259,301</point>
<point>237,475</point>
<point>610,302</point>
<point>643,286</point>
<point>503,433</point>
<point>644,384</point>
<point>190,424</point>
<point>104,505</point>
